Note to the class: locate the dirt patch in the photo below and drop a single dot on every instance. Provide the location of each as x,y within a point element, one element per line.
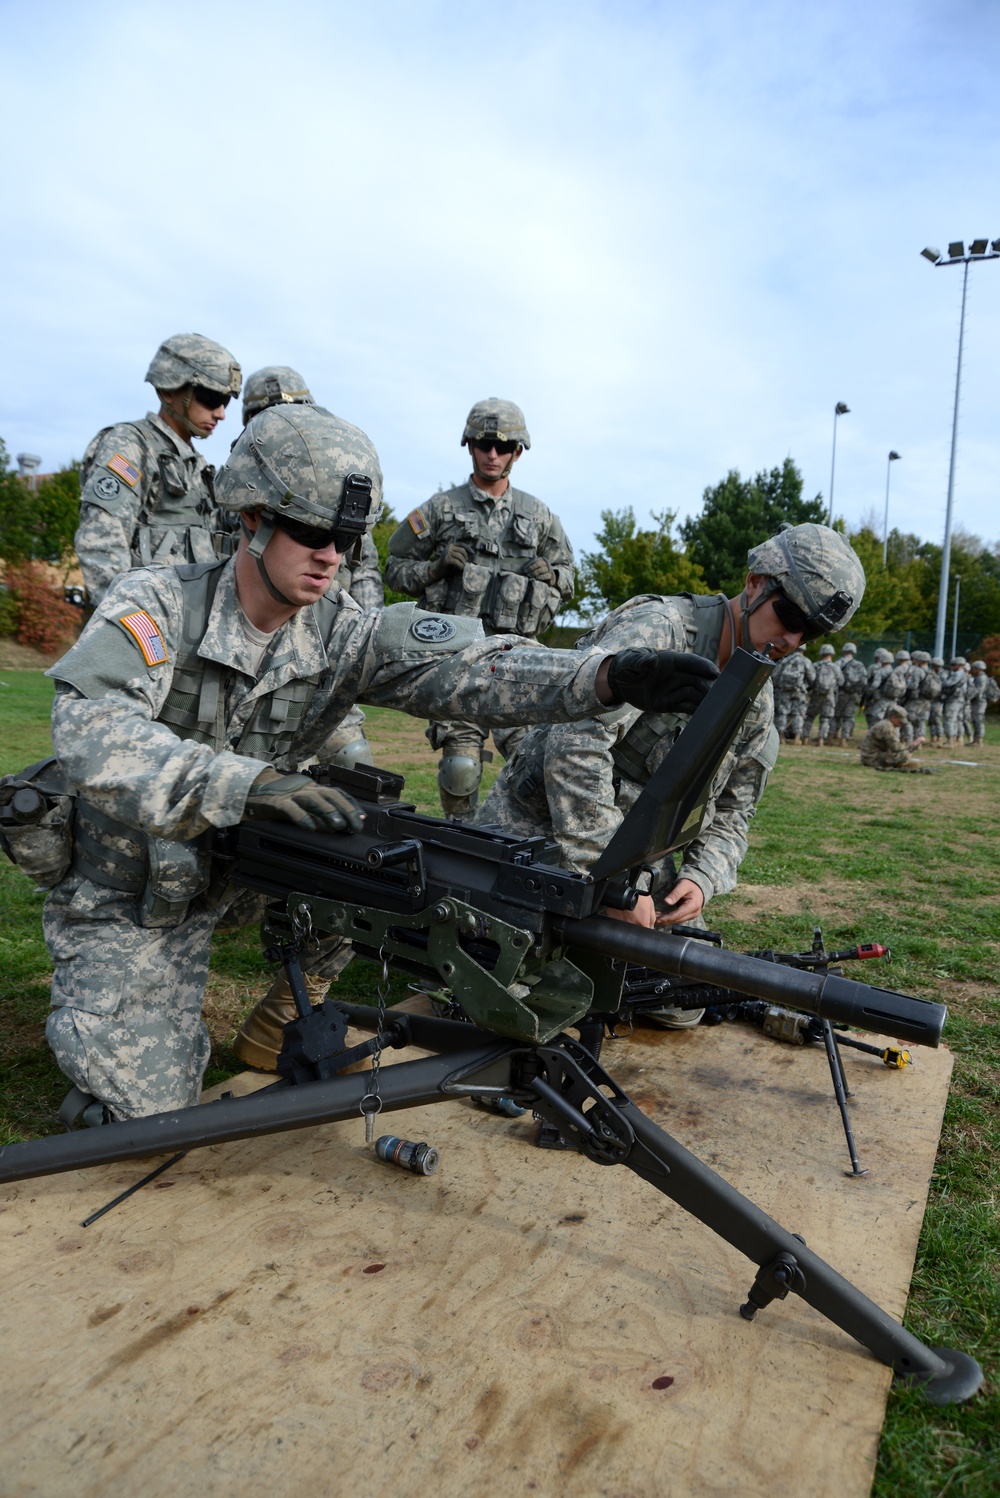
<point>836,898</point>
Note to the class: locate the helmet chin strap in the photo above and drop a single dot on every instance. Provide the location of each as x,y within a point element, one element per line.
<point>258,545</point>
<point>182,415</point>
<point>747,608</point>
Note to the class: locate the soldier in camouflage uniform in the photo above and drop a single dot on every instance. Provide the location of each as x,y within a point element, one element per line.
<point>791,693</point>
<point>872,701</point>
<point>146,496</point>
<point>359,572</point>
<point>188,703</point>
<point>823,697</point>
<point>854,677</point>
<point>882,748</point>
<point>916,703</point>
<point>933,684</point>
<point>982,691</point>
<point>575,783</point>
<point>954,690</point>
<point>967,709</point>
<point>487,550</point>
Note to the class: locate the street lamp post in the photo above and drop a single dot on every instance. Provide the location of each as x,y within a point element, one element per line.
<point>839,410</point>
<point>979,249</point>
<point>954,617</point>
<point>893,458</point>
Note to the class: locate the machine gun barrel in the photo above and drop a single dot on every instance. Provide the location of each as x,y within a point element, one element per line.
<point>824,994</point>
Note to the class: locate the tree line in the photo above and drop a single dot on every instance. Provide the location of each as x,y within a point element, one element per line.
<point>704,554</point>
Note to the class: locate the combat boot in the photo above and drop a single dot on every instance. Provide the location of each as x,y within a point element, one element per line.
<point>261,1034</point>
<point>797,741</point>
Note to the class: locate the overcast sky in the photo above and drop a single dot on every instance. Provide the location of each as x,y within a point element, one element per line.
<point>676,235</point>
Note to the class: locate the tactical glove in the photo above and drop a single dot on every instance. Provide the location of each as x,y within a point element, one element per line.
<point>297,798</point>
<point>660,681</point>
<point>539,569</point>
<point>452,559</point>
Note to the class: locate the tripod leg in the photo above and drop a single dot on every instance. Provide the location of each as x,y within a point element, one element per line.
<point>841,1093</point>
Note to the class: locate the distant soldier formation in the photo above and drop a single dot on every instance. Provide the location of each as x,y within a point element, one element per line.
<point>909,700</point>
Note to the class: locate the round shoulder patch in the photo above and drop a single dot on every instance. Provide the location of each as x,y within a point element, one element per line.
<point>433,629</point>
<point>107,487</point>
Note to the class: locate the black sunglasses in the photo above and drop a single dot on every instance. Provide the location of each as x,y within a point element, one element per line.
<point>797,623</point>
<point>315,538</point>
<point>488,445</point>
<point>210,399</point>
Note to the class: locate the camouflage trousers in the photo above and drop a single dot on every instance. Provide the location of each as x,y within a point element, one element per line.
<point>954,719</point>
<point>916,718</point>
<point>347,744</point>
<point>462,757</point>
<point>979,720</point>
<point>847,706</point>
<point>824,706</point>
<point>876,711</point>
<point>126,1020</point>
<point>935,721</point>
<point>795,718</point>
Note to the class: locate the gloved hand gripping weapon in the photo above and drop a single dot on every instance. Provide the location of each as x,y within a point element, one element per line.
<point>519,943</point>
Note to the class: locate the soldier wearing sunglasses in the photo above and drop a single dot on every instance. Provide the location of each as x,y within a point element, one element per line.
<point>146,495</point>
<point>575,782</point>
<point>491,551</point>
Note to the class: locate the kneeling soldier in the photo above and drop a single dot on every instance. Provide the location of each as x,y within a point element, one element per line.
<point>188,703</point>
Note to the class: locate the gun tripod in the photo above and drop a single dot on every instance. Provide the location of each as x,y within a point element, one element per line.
<point>563,1083</point>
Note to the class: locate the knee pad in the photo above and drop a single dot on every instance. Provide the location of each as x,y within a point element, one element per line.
<point>357,752</point>
<point>459,774</point>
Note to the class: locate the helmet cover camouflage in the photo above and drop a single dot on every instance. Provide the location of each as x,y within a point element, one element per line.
<point>272,386</point>
<point>849,648</point>
<point>816,568</point>
<point>827,650</point>
<point>979,665</point>
<point>921,656</point>
<point>294,461</point>
<point>902,655</point>
<point>190,359</point>
<point>496,418</point>
<point>937,660</point>
<point>959,660</point>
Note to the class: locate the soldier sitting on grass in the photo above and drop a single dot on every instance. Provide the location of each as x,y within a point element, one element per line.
<point>882,748</point>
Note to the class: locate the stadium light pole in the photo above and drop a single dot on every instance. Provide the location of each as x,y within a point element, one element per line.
<point>839,410</point>
<point>979,249</point>
<point>954,617</point>
<point>893,458</point>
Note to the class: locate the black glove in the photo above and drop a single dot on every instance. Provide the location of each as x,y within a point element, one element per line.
<point>452,559</point>
<point>539,569</point>
<point>297,798</point>
<point>660,681</point>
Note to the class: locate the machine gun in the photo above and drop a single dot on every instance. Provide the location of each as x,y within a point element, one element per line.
<point>519,943</point>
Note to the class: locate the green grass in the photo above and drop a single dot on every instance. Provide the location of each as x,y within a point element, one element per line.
<point>909,861</point>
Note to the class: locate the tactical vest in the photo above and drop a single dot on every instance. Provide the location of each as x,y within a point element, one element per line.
<point>174,519</point>
<point>168,874</point>
<point>506,602</point>
<point>631,755</point>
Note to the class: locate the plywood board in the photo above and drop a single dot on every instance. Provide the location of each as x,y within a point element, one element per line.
<point>290,1315</point>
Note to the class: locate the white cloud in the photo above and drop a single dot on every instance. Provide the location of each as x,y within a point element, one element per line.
<point>675,238</point>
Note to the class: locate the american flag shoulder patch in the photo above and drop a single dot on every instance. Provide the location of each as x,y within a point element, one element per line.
<point>125,470</point>
<point>146,635</point>
<point>417,522</point>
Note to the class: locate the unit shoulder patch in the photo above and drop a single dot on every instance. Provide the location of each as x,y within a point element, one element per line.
<point>125,470</point>
<point>418,523</point>
<point>146,634</point>
<point>433,629</point>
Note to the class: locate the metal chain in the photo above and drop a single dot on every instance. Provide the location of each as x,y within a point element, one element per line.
<point>372,1096</point>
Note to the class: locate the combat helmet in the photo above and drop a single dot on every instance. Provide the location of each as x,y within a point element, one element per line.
<point>496,418</point>
<point>190,359</point>
<point>815,570</point>
<point>848,648</point>
<point>979,665</point>
<point>299,466</point>
<point>937,660</point>
<point>272,386</point>
<point>922,657</point>
<point>827,650</point>
<point>902,655</point>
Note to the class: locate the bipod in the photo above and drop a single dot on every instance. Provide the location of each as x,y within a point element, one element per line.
<point>569,1089</point>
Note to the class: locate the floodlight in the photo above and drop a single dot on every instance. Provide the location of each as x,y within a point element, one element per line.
<point>932,255</point>
<point>893,457</point>
<point>978,247</point>
<point>956,249</point>
<point>840,409</point>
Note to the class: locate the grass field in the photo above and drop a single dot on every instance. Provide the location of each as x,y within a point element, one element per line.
<point>910,861</point>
